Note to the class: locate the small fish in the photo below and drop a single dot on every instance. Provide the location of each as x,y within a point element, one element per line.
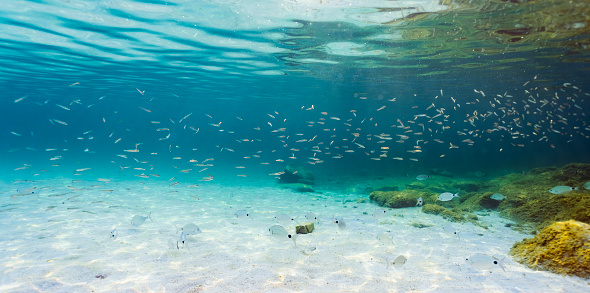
<point>497,196</point>
<point>191,229</point>
<point>379,213</point>
<point>114,234</point>
<point>447,196</point>
<point>340,222</point>
<point>279,232</point>
<point>20,99</point>
<point>562,189</point>
<point>137,220</point>
<point>451,230</point>
<point>419,202</point>
<point>311,217</point>
<point>587,185</point>
<point>422,177</point>
<point>383,237</point>
<point>242,214</point>
<point>398,262</point>
<point>285,219</point>
<point>484,262</point>
<point>182,241</point>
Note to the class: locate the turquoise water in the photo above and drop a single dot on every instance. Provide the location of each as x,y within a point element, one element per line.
<point>227,93</point>
<point>104,62</point>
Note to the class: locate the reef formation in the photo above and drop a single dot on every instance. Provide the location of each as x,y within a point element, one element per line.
<point>562,247</point>
<point>525,197</point>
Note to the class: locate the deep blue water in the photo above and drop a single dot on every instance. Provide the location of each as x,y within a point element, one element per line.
<point>256,79</point>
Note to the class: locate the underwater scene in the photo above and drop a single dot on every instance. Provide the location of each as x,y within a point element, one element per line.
<point>294,146</point>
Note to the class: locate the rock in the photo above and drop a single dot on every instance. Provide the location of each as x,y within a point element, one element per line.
<point>299,187</point>
<point>396,199</point>
<point>433,209</point>
<point>294,173</point>
<point>562,247</point>
<point>487,202</point>
<point>421,225</point>
<point>304,228</point>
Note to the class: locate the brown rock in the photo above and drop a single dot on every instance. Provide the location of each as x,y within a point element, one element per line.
<point>304,228</point>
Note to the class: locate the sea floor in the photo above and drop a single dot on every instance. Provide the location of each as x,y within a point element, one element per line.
<point>57,238</point>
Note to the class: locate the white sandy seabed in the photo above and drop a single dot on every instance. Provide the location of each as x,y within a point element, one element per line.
<point>58,240</point>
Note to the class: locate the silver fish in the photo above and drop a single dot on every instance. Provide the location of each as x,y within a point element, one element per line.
<point>422,177</point>
<point>447,196</point>
<point>587,185</point>
<point>497,196</point>
<point>242,214</point>
<point>562,189</point>
<point>485,262</point>
<point>379,213</point>
<point>340,222</point>
<point>114,234</point>
<point>383,237</point>
<point>279,232</point>
<point>311,217</point>
<point>451,230</point>
<point>285,219</point>
<point>398,262</point>
<point>191,229</point>
<point>419,202</point>
<point>138,220</point>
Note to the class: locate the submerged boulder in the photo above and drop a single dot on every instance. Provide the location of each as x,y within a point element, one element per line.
<point>294,173</point>
<point>562,247</point>
<point>397,199</point>
<point>304,228</point>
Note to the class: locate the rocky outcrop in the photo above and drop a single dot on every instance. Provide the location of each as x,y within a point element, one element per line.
<point>304,228</point>
<point>562,247</point>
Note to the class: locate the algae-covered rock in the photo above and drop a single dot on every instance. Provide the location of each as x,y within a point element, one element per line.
<point>396,199</point>
<point>562,247</point>
<point>421,225</point>
<point>572,172</point>
<point>529,201</point>
<point>526,197</point>
<point>486,201</point>
<point>455,214</point>
<point>433,209</point>
<point>304,228</point>
<point>294,173</point>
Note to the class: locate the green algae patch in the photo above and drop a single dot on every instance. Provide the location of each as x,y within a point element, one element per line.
<point>562,247</point>
<point>486,201</point>
<point>525,196</point>
<point>528,199</point>
<point>454,215</point>
<point>396,199</point>
<point>433,209</point>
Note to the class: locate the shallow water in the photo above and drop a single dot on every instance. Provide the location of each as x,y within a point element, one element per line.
<point>191,110</point>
